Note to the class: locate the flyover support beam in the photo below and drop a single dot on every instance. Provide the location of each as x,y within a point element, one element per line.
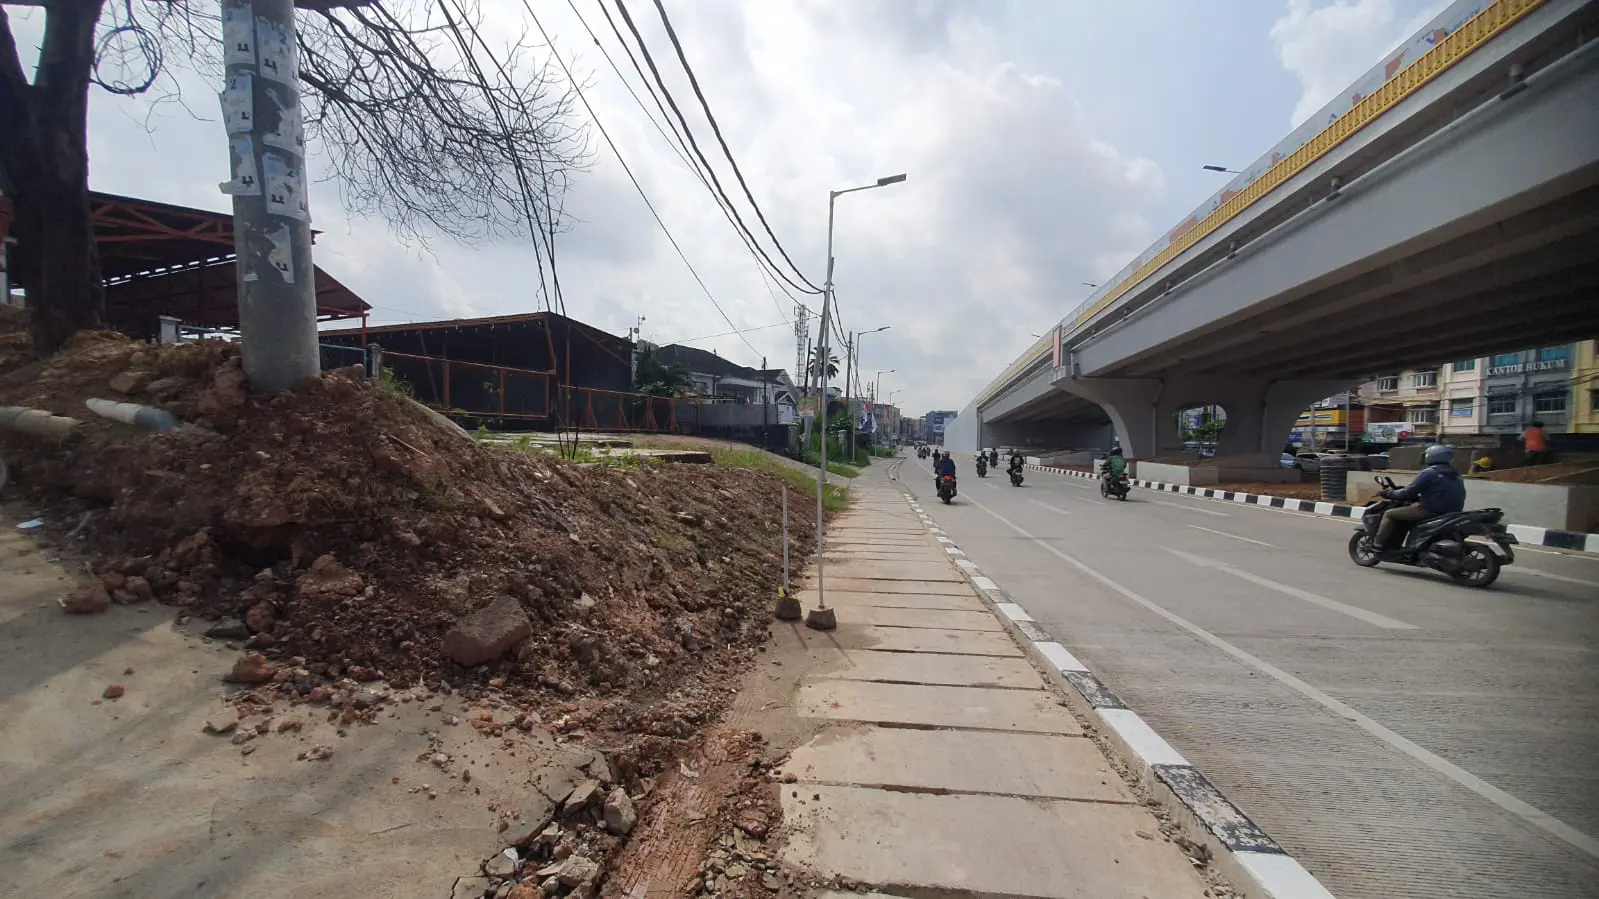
<point>1260,412</point>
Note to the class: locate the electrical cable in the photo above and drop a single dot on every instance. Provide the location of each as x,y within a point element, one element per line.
<point>806,286</point>
<point>675,141</point>
<point>716,129</point>
<point>632,178</point>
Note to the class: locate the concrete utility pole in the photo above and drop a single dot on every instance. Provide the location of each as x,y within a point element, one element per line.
<point>271,211</point>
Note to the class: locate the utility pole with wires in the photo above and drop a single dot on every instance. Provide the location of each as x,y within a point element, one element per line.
<point>271,211</point>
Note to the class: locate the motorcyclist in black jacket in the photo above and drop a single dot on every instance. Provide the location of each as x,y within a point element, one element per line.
<point>1437,490</point>
<point>944,466</point>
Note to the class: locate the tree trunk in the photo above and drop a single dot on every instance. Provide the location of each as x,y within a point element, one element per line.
<point>58,261</point>
<point>46,159</point>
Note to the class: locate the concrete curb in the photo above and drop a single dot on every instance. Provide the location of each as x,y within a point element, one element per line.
<point>1255,864</point>
<point>1529,535</point>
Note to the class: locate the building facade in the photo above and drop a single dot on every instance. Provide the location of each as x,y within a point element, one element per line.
<point>1522,386</point>
<point>1461,407</point>
<point>1585,389</point>
<point>936,422</point>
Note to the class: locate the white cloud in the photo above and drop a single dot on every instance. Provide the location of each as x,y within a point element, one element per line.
<point>1328,47</point>
<point>1012,200</point>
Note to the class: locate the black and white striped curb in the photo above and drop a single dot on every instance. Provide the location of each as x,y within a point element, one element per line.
<point>1526,533</point>
<point>1257,866</point>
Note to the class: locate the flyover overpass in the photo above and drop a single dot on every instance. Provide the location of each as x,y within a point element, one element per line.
<point>1449,210</point>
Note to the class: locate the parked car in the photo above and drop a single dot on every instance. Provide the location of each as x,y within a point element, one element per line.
<point>1288,461</point>
<point>1309,462</point>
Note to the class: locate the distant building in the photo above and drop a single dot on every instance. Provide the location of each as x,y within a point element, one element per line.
<point>935,423</point>
<point>714,376</point>
<point>1585,389</point>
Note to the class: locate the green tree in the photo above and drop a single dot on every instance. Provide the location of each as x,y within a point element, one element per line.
<point>656,379</point>
<point>832,364</point>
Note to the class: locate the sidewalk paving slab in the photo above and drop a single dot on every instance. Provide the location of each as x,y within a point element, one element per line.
<point>921,705</point>
<point>988,845</point>
<point>929,668</point>
<point>921,639</point>
<point>915,572</point>
<point>940,619</point>
<point>960,761</point>
<point>840,598</point>
<point>836,583</point>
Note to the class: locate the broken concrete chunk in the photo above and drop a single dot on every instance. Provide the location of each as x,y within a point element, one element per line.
<point>620,816</point>
<point>488,633</point>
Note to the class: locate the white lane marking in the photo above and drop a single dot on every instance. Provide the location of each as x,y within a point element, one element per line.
<point>1150,748</point>
<point>1161,502</point>
<point>1314,599</point>
<point>1553,577</point>
<point>1060,657</point>
<point>1518,807</point>
<point>1234,536</point>
<point>1094,501</point>
<point>1051,508</point>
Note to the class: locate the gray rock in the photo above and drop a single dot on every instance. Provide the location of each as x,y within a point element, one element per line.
<point>620,816</point>
<point>578,869</point>
<point>488,633</point>
<point>228,629</point>
<point>581,796</point>
<point>499,867</point>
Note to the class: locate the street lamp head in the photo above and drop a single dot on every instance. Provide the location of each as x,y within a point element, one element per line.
<point>1220,168</point>
<point>890,179</point>
<point>875,330</point>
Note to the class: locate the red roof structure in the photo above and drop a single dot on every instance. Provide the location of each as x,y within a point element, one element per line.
<point>160,259</point>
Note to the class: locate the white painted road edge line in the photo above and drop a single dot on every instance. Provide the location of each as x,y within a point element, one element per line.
<point>1256,863</point>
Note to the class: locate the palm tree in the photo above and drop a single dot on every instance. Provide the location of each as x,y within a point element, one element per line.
<point>832,365</point>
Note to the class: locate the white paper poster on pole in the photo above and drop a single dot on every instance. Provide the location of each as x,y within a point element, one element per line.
<point>285,187</point>
<point>276,52</point>
<point>246,180</point>
<point>281,256</point>
<point>238,35</point>
<point>238,103</point>
<point>290,135</point>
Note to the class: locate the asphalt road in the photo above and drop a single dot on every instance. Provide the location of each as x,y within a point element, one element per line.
<point>1400,735</point>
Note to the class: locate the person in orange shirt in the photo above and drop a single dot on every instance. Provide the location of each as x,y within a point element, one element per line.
<point>1532,438</point>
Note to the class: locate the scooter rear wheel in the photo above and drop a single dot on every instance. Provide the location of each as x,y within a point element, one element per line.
<point>1483,570</point>
<point>1362,552</point>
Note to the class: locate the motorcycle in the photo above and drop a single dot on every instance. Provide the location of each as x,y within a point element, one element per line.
<point>1015,477</point>
<point>1116,486</point>
<point>946,488</point>
<point>1439,543</point>
<point>982,467</point>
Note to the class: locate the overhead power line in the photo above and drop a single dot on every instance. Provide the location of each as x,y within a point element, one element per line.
<point>678,145</point>
<point>804,284</point>
<point>716,129</point>
<point>631,177</point>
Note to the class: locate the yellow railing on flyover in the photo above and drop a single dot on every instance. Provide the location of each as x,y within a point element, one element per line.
<point>1470,36</point>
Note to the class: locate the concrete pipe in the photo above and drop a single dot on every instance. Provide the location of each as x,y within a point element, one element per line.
<point>147,417</point>
<point>36,422</point>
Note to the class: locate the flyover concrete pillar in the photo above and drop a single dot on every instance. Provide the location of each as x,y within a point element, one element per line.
<point>1260,412</point>
<point>1137,409</point>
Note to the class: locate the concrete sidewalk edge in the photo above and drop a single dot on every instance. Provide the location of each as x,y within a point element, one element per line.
<point>1257,866</point>
<point>1528,535</point>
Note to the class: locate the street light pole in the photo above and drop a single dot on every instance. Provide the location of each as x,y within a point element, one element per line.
<point>854,342</point>
<point>823,618</point>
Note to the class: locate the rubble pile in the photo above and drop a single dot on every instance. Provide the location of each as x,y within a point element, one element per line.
<point>341,535</point>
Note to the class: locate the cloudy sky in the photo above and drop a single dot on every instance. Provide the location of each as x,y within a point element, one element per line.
<point>1047,142</point>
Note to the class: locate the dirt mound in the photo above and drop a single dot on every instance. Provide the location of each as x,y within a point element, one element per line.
<point>351,531</point>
